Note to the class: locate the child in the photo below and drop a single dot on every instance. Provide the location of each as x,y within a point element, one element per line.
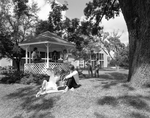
<point>50,86</point>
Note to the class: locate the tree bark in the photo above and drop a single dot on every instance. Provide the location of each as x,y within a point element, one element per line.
<point>17,64</point>
<point>137,16</point>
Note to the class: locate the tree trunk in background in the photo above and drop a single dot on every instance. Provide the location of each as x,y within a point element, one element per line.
<point>137,16</point>
<point>17,64</point>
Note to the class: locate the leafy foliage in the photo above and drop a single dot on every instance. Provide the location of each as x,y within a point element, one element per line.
<point>97,9</point>
<point>12,76</point>
<point>122,57</point>
<point>30,78</point>
<point>17,21</point>
<point>71,30</point>
<point>54,23</point>
<point>113,44</point>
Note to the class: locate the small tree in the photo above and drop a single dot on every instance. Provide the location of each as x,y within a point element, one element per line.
<point>122,57</point>
<point>113,44</point>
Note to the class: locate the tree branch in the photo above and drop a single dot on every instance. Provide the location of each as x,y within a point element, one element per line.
<point>106,9</point>
<point>8,18</point>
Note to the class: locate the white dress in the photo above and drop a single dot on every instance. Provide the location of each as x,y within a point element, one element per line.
<point>51,84</point>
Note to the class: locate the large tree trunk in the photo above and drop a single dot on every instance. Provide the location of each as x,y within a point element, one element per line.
<point>137,17</point>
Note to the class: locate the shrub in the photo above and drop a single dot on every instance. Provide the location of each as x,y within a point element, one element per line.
<point>14,76</point>
<point>30,78</point>
<point>11,76</point>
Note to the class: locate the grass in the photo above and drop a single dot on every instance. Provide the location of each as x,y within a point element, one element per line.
<point>104,97</point>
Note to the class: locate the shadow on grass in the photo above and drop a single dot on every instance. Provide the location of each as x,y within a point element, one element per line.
<point>112,79</point>
<point>108,85</point>
<point>108,100</point>
<point>114,76</point>
<point>31,104</point>
<point>134,101</point>
<point>128,86</point>
<point>18,116</point>
<point>137,115</point>
<point>44,115</point>
<point>99,115</point>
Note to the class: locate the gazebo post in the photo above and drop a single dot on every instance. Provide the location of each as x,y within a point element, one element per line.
<point>29,54</point>
<point>26,55</point>
<point>47,46</point>
<point>96,55</point>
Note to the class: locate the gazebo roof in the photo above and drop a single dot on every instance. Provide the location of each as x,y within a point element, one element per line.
<point>46,37</point>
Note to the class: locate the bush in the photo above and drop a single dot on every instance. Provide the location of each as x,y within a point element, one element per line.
<point>30,78</point>
<point>11,76</point>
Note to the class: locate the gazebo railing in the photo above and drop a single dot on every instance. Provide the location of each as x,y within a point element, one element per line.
<point>41,68</point>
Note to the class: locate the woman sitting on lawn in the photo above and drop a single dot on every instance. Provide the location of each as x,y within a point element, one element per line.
<point>50,86</point>
<point>72,79</point>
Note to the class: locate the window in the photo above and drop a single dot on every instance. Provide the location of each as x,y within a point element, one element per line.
<point>93,63</point>
<point>101,56</point>
<point>101,64</point>
<point>93,56</point>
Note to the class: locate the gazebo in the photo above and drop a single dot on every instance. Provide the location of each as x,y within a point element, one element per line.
<point>45,42</point>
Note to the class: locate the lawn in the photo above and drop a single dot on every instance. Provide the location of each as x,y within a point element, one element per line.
<point>105,97</point>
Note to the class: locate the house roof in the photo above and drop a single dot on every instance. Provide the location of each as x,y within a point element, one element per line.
<point>46,37</point>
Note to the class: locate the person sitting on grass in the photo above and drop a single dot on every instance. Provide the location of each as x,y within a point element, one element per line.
<point>72,79</point>
<point>50,86</point>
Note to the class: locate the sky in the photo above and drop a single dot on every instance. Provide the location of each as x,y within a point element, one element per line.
<point>75,10</point>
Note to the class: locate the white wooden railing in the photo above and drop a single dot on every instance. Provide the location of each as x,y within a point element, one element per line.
<point>41,68</point>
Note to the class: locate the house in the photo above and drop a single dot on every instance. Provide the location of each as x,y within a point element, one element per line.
<point>101,55</point>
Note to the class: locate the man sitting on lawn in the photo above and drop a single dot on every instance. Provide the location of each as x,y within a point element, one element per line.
<point>72,79</point>
<point>50,86</point>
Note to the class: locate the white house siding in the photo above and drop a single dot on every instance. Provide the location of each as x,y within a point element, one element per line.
<point>5,62</point>
<point>105,60</point>
<point>102,56</point>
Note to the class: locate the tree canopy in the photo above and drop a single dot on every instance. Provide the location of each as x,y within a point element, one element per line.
<point>18,20</point>
<point>72,30</point>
